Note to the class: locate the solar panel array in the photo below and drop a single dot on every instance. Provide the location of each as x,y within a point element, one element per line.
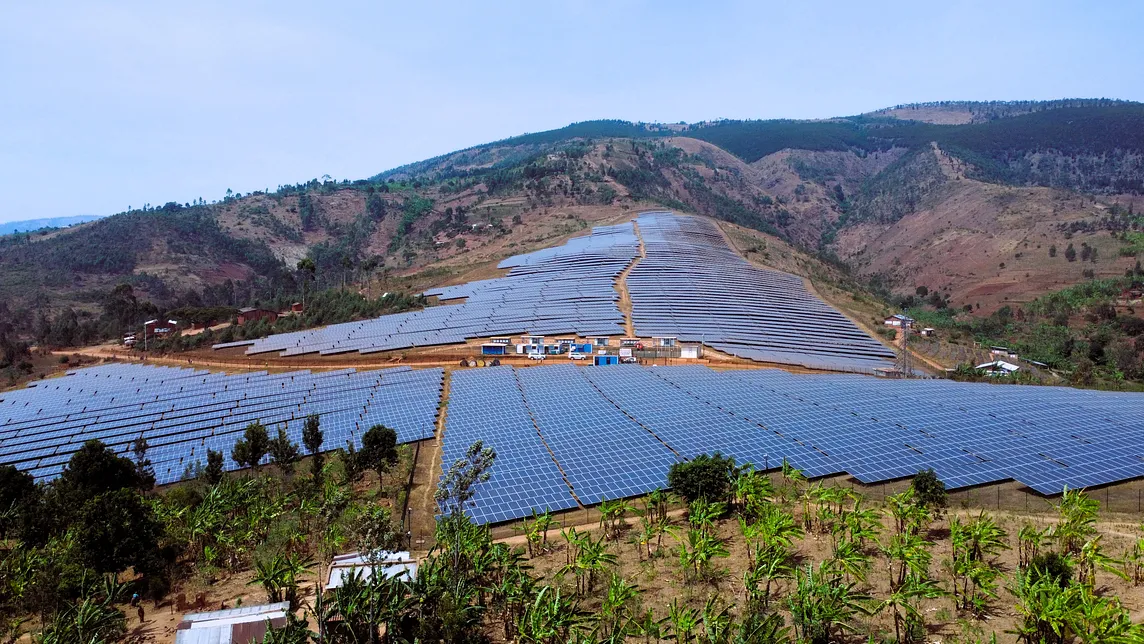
<point>692,286</point>
<point>566,289</point>
<point>183,412</point>
<point>565,434</point>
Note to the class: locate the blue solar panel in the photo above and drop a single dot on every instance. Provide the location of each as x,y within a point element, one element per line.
<point>607,432</point>
<point>183,412</point>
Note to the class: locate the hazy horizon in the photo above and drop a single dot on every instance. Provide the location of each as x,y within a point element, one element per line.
<point>110,106</point>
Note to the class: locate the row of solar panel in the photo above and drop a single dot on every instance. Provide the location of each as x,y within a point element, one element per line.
<point>567,289</point>
<point>568,435</point>
<point>183,412</point>
<point>692,286</point>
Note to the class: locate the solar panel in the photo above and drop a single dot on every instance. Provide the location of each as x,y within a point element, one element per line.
<point>607,432</point>
<point>184,412</point>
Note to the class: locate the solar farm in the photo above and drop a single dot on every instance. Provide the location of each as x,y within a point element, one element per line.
<point>183,412</point>
<point>570,436</point>
<point>693,287</point>
<point>567,289</point>
<point>689,285</point>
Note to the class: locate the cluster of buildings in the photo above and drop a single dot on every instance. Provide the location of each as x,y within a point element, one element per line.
<point>601,348</point>
<point>249,624</point>
<point>161,329</point>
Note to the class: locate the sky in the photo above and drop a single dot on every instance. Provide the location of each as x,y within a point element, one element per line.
<point>109,105</point>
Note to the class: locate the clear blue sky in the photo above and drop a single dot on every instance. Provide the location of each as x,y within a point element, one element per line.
<point>103,106</point>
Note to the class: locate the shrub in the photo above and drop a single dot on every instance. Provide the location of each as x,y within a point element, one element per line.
<point>704,477</point>
<point>929,490</point>
<point>1052,565</point>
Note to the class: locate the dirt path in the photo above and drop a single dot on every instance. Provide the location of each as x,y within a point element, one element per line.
<point>622,286</point>
<point>427,471</point>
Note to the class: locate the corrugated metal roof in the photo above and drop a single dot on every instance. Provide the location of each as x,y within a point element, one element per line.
<point>241,625</point>
<point>241,611</point>
<point>392,565</point>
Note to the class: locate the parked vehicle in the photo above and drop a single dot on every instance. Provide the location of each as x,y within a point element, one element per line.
<point>576,355</point>
<point>536,356</point>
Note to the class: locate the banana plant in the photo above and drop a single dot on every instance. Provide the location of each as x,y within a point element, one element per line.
<point>1029,543</point>
<point>682,621</point>
<point>697,549</point>
<point>903,603</point>
<point>823,606</point>
<point>849,560</point>
<point>1077,523</point>
<point>768,564</point>
<point>702,514</point>
<point>550,618</point>
<point>907,553</point>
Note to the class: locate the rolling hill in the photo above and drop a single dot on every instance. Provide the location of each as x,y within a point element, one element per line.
<point>977,201</point>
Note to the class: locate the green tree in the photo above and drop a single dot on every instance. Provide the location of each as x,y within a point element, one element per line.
<point>378,449</point>
<point>312,438</point>
<point>214,469</point>
<point>307,269</point>
<point>459,484</point>
<point>704,477</point>
<point>94,470</point>
<point>929,491</point>
<point>283,451</point>
<point>18,494</point>
<point>143,467</point>
<point>252,447</point>
<point>115,530</point>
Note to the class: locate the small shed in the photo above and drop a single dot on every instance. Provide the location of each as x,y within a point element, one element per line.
<point>251,314</point>
<point>296,307</point>
<point>693,352</point>
<point>899,320</point>
<point>998,368</point>
<point>664,342</point>
<point>392,565</point>
<point>160,328</point>
<point>599,341</point>
<point>928,332</point>
<point>242,625</point>
<point>603,361</point>
<point>492,349</point>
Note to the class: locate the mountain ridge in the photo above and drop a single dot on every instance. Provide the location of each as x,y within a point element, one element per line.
<point>849,187</point>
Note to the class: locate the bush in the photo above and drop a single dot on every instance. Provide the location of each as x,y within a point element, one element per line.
<point>1052,565</point>
<point>704,477</point>
<point>929,490</point>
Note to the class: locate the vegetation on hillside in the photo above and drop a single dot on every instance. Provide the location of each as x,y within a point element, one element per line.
<point>1086,332</point>
<point>233,253</point>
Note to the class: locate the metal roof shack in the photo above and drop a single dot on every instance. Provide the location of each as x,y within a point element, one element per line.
<point>998,368</point>
<point>242,625</point>
<point>392,565</point>
<point>899,320</point>
<point>251,314</point>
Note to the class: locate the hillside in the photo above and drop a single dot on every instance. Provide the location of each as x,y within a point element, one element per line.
<point>29,225</point>
<point>968,199</point>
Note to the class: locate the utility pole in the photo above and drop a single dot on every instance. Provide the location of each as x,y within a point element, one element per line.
<point>905,362</point>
